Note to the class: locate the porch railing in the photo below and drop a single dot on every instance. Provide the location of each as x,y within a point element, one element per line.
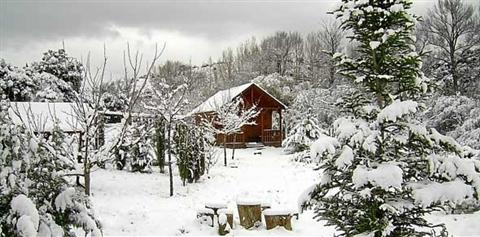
<point>238,138</point>
<point>272,137</point>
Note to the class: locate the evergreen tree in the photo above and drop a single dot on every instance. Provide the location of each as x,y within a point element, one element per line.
<point>383,170</point>
<point>301,136</point>
<point>134,152</point>
<point>189,152</point>
<point>140,157</point>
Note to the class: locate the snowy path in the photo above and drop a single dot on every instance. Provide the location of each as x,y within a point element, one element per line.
<point>138,204</point>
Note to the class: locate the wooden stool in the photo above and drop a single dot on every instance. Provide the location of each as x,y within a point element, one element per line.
<point>274,218</point>
<point>250,213</point>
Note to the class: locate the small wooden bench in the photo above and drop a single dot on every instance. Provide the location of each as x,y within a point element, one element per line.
<point>278,217</point>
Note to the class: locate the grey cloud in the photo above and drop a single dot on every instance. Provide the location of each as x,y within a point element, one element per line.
<point>43,20</point>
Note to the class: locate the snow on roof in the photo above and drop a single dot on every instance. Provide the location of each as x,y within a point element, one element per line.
<point>220,98</point>
<point>41,116</point>
<point>224,96</point>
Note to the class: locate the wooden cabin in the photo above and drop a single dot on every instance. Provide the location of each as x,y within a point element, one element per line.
<point>268,129</point>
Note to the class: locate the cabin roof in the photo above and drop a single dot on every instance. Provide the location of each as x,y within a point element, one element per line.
<point>41,116</point>
<point>224,96</point>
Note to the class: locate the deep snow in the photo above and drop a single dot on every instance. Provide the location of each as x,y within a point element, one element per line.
<point>139,204</point>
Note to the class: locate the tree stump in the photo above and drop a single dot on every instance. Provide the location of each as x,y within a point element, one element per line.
<point>249,213</point>
<point>229,214</point>
<point>224,226</point>
<point>274,218</point>
<point>205,214</point>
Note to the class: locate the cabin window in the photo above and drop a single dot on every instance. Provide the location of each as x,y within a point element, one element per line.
<point>276,120</point>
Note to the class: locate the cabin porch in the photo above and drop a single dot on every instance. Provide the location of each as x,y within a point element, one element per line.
<point>269,137</point>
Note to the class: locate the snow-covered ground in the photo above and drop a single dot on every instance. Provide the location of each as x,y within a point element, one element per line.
<point>139,204</point>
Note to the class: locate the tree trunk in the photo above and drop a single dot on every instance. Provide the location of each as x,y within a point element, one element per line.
<point>332,73</point>
<point>86,169</point>
<point>249,215</point>
<point>79,159</point>
<point>170,173</point>
<point>233,148</point>
<point>453,70</point>
<point>225,149</point>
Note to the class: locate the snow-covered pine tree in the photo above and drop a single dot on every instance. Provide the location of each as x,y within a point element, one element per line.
<point>383,170</point>
<point>140,155</point>
<point>134,153</point>
<point>182,151</point>
<point>37,199</point>
<point>189,152</point>
<point>301,136</point>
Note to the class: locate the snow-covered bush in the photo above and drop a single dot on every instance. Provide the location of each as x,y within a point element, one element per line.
<point>36,197</point>
<point>456,116</point>
<point>469,132</point>
<point>52,89</point>
<point>115,97</point>
<point>59,64</point>
<point>317,102</point>
<point>54,79</point>
<point>446,113</point>
<point>15,83</point>
<point>301,136</point>
<point>135,153</point>
<point>383,170</point>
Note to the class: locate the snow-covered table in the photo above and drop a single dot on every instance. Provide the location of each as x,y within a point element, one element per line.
<point>215,206</point>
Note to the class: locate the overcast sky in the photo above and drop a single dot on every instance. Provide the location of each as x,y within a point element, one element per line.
<point>192,30</point>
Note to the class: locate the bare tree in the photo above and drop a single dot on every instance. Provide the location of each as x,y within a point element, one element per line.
<point>454,29</point>
<point>228,119</point>
<point>331,36</point>
<point>227,66</point>
<point>315,59</point>
<point>89,107</point>
<point>280,50</point>
<point>168,102</point>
